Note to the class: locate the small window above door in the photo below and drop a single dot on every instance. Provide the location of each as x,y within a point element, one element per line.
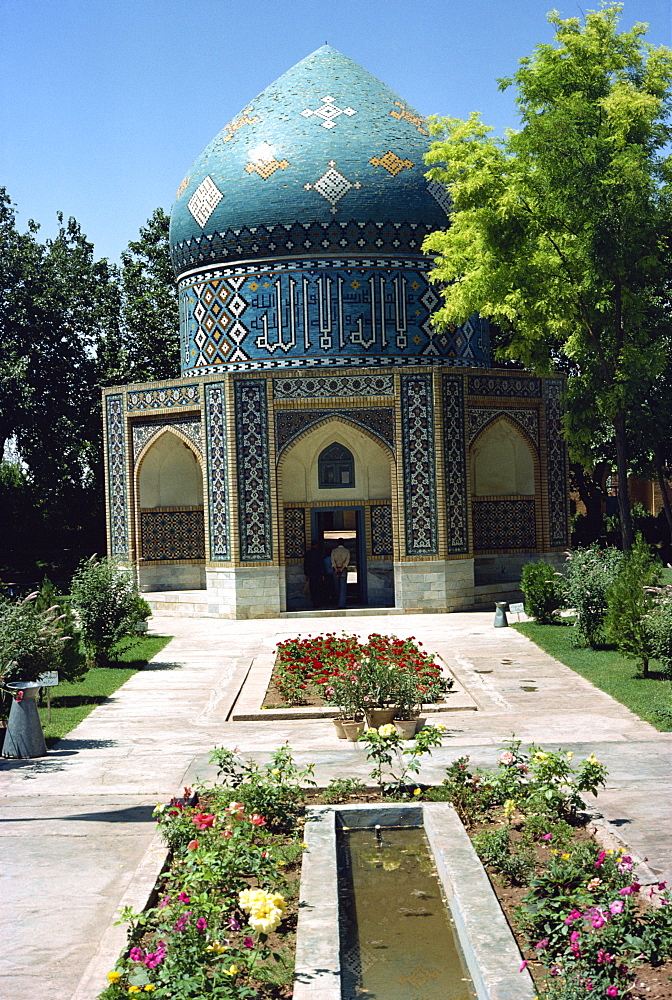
<point>336,468</point>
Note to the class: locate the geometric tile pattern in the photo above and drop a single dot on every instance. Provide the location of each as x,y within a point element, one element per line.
<point>254,507</point>
<point>382,540</point>
<point>154,399</point>
<point>391,162</point>
<point>339,385</point>
<point>295,533</point>
<point>556,464</point>
<point>332,186</point>
<point>480,416</point>
<point>290,423</point>
<point>335,310</point>
<point>504,385</point>
<point>144,432</point>
<point>439,193</point>
<point>172,534</point>
<point>409,116</point>
<point>217,474</point>
<point>204,200</point>
<point>504,524</point>
<point>417,422</point>
<point>331,236</point>
<point>328,112</point>
<point>116,470</point>
<point>455,462</point>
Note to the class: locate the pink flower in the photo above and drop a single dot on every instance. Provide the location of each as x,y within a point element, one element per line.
<point>136,955</point>
<point>183,898</point>
<point>523,965</point>
<point>547,836</point>
<point>541,944</point>
<point>598,921</point>
<point>164,902</point>
<point>182,921</point>
<point>201,924</point>
<point>236,810</point>
<point>507,758</point>
<point>18,696</point>
<point>257,820</point>
<point>574,915</point>
<point>616,907</point>
<point>248,942</point>
<point>203,820</point>
<point>233,924</point>
<point>612,991</point>
<point>603,957</point>
<point>600,858</point>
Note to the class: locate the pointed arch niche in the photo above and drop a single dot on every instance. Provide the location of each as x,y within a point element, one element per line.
<point>504,468</point>
<point>170,519</point>
<point>307,498</point>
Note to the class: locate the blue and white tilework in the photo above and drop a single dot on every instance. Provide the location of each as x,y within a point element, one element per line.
<point>558,512</point>
<point>504,385</point>
<point>116,473</point>
<point>338,385</point>
<point>290,423</point>
<point>295,533</point>
<point>254,505</point>
<point>417,422</point>
<point>156,399</point>
<point>382,541</point>
<point>217,475</point>
<point>481,416</point>
<point>455,462</point>
<point>145,431</point>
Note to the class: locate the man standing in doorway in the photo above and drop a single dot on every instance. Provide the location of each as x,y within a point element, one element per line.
<point>340,559</point>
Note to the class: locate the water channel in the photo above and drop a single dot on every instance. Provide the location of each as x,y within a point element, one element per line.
<point>396,934</point>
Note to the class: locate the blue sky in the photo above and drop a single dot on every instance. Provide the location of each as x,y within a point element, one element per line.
<point>104,106</point>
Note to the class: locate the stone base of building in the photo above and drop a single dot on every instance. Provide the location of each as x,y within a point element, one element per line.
<point>169,576</point>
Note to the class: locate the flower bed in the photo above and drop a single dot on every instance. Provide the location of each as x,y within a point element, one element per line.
<point>223,923</point>
<point>340,670</point>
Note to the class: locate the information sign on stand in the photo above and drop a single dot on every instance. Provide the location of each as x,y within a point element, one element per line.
<point>517,609</point>
<point>48,679</point>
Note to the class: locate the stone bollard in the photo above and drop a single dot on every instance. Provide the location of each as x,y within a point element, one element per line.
<point>24,736</point>
<point>500,614</point>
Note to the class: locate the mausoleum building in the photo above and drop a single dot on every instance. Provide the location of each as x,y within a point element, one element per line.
<point>317,400</point>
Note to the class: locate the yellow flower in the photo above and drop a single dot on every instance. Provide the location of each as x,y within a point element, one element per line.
<point>570,754</point>
<point>133,989</point>
<point>232,970</point>
<point>509,808</point>
<point>593,759</point>
<point>276,771</point>
<point>304,845</point>
<point>150,987</point>
<point>565,857</point>
<point>417,791</point>
<point>217,947</point>
<point>113,977</point>
<point>386,730</point>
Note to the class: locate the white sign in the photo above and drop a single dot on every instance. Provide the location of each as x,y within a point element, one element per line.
<point>517,608</point>
<point>48,679</point>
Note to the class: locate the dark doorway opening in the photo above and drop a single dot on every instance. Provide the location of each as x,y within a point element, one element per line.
<point>347,523</point>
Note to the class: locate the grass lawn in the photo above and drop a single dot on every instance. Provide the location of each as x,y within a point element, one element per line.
<point>72,701</point>
<point>648,697</point>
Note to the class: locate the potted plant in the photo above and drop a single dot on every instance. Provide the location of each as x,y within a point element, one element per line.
<point>345,692</point>
<point>378,676</point>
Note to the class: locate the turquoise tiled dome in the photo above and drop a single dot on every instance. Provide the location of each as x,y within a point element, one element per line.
<point>296,235</point>
<point>327,143</point>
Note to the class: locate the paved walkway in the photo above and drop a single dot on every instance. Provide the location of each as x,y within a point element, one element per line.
<point>77,833</point>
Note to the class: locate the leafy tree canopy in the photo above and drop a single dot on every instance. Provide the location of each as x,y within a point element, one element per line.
<point>560,231</point>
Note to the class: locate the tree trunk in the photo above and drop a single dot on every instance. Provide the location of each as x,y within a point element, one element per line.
<point>662,482</point>
<point>621,442</point>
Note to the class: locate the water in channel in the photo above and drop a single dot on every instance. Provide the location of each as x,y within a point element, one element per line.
<point>397,938</point>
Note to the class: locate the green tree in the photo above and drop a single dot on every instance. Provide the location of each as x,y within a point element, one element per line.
<point>629,604</point>
<point>558,231</point>
<point>108,607</point>
<point>150,311</point>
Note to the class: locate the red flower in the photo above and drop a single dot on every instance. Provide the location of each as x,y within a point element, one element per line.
<point>203,820</point>
<point>257,820</point>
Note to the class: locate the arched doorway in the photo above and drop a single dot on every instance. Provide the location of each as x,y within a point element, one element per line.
<point>335,482</point>
<point>170,522</point>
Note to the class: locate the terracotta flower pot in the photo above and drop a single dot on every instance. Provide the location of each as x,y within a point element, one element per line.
<point>406,728</point>
<point>376,717</point>
<point>338,726</point>
<point>352,729</point>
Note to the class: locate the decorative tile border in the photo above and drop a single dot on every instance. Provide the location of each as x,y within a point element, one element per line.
<point>417,422</point>
<point>144,432</point>
<point>504,524</point>
<point>556,464</point>
<point>480,416</point>
<point>254,481</point>
<point>339,385</point>
<point>455,463</point>
<point>217,475</point>
<point>156,399</point>
<point>290,423</point>
<point>504,385</point>
<point>295,533</point>
<point>116,469</point>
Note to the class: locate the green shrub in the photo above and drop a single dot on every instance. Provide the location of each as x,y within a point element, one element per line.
<point>105,597</point>
<point>590,573</point>
<point>72,663</point>
<point>629,604</point>
<point>31,642</point>
<point>658,624</point>
<point>542,589</point>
